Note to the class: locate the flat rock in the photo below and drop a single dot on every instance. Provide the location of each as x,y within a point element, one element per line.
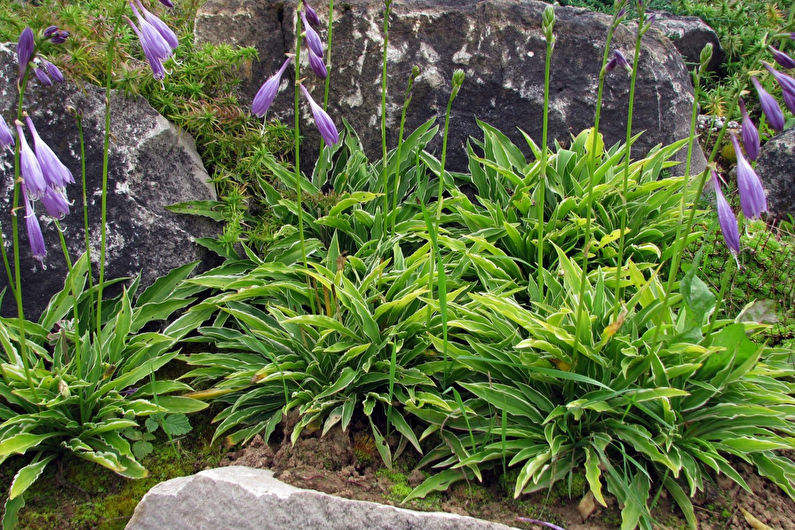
<point>774,167</point>
<point>499,45</point>
<point>152,164</point>
<point>246,498</point>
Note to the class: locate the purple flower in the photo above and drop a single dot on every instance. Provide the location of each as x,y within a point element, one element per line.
<point>769,106</point>
<point>60,36</point>
<point>618,59</point>
<point>167,3</point>
<point>25,48</point>
<point>749,134</point>
<point>29,166</point>
<point>313,41</point>
<point>50,31</point>
<point>54,201</point>
<point>787,85</point>
<point>6,138</point>
<point>161,27</point>
<point>782,58</point>
<point>53,71</point>
<point>35,237</point>
<point>322,120</point>
<point>311,15</point>
<point>42,76</point>
<point>726,218</point>
<point>267,92</point>
<point>155,63</point>
<point>317,65</point>
<point>55,173</point>
<point>752,195</point>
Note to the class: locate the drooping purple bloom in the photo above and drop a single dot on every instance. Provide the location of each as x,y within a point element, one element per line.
<point>151,38</point>
<point>161,27</point>
<point>35,237</point>
<point>313,41</point>
<point>55,173</point>
<point>749,134</point>
<point>50,31</point>
<point>42,76</point>
<point>618,59</point>
<point>328,131</point>
<point>52,70</point>
<point>55,203</point>
<point>29,166</point>
<point>538,522</point>
<point>60,36</point>
<point>752,195</point>
<point>769,106</point>
<point>158,72</point>
<point>267,92</point>
<point>311,15</point>
<point>317,65</point>
<point>6,138</point>
<point>782,58</point>
<point>726,218</point>
<point>787,85</point>
<point>167,3</point>
<point>25,47</point>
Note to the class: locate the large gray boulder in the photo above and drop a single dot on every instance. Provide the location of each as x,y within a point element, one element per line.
<point>246,498</point>
<point>499,45</point>
<point>774,167</point>
<point>152,164</point>
<point>690,35</point>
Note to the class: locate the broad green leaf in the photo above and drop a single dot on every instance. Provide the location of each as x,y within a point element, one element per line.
<point>27,476</point>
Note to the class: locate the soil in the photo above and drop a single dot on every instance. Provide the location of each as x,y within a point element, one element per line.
<point>347,464</point>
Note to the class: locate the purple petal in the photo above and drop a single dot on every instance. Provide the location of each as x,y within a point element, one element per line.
<point>25,50</point>
<point>55,203</point>
<point>42,76</point>
<point>60,36</point>
<point>53,70</point>
<point>770,107</point>
<point>29,167</point>
<point>749,134</point>
<point>55,173</point>
<point>618,59</point>
<point>313,41</point>
<point>328,131</point>
<point>726,218</point>
<point>152,41</point>
<point>50,31</point>
<point>311,15</point>
<point>787,85</point>
<point>538,522</point>
<point>752,195</point>
<point>317,65</point>
<point>6,137</point>
<point>167,3</point>
<point>158,72</point>
<point>35,237</point>
<point>161,27</point>
<point>782,58</point>
<point>267,92</point>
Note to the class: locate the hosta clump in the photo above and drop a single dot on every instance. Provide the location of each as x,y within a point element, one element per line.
<point>634,414</point>
<point>83,394</point>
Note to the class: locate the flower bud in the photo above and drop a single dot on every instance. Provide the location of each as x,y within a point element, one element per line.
<point>313,41</point>
<point>726,218</point>
<point>6,137</point>
<point>25,47</point>
<point>705,57</point>
<point>787,85</point>
<point>317,65</point>
<point>326,127</point>
<point>311,15</point>
<point>782,58</point>
<point>267,92</point>
<point>769,106</point>
<point>749,134</point>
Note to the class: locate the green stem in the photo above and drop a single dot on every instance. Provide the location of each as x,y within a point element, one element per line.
<point>589,195</point>
<point>724,285</point>
<point>86,231</point>
<point>627,153</point>
<point>328,51</point>
<point>75,314</point>
<point>406,101</point>
<point>542,177</point>
<point>384,184</point>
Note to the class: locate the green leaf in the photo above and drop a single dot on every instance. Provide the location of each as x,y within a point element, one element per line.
<point>20,443</point>
<point>141,449</point>
<point>180,404</point>
<point>176,424</point>
<point>12,509</point>
<point>27,476</point>
<point>438,482</point>
<point>592,474</point>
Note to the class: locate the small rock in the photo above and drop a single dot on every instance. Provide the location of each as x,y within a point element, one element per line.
<point>587,505</point>
<point>774,167</point>
<point>690,35</point>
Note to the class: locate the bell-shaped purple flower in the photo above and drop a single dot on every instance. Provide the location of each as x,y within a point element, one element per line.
<point>167,3</point>
<point>6,137</point>
<point>267,92</point>
<point>726,218</point>
<point>155,63</point>
<point>55,203</point>
<point>25,47</point>
<point>328,131</point>
<point>769,106</point>
<point>752,195</point>
<point>55,173</point>
<point>50,31</point>
<point>749,134</point>
<point>787,85</point>
<point>35,237</point>
<point>151,38</point>
<point>313,41</point>
<point>52,70</point>
<point>618,59</point>
<point>29,166</point>
<point>311,15</point>
<point>782,58</point>
<point>60,36</point>
<point>317,65</point>
<point>161,27</point>
<point>42,76</point>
